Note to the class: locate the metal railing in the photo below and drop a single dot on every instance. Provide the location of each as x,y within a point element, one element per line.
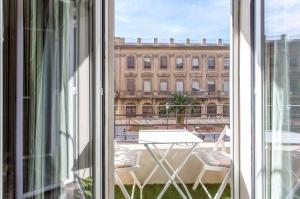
<point>167,94</point>
<point>129,119</point>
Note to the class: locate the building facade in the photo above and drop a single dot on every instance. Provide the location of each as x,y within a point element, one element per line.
<point>147,73</point>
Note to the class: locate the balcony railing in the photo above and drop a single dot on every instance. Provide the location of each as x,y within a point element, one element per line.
<point>131,118</point>
<point>166,94</point>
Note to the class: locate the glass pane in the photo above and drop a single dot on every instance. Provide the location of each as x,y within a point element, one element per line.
<point>281,99</point>
<point>179,86</point>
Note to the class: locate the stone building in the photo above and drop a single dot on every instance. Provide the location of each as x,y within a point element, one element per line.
<point>147,73</point>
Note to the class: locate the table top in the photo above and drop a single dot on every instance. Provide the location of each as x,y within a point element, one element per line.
<point>170,136</point>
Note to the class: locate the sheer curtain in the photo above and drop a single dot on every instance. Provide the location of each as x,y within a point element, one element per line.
<point>282,99</point>
<point>46,88</point>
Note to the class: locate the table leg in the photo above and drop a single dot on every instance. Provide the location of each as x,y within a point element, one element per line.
<point>166,172</point>
<point>172,169</point>
<point>171,178</point>
<point>156,166</point>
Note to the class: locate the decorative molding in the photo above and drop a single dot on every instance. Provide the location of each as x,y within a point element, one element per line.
<point>203,56</point>
<point>122,55</point>
<point>138,55</point>
<point>179,74</point>
<point>225,74</point>
<point>131,74</point>
<point>195,75</point>
<point>187,56</point>
<point>163,74</point>
<point>219,55</point>
<point>171,55</point>
<point>155,56</point>
<point>147,74</point>
<point>212,74</point>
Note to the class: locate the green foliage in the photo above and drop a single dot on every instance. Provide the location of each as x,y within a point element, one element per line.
<point>179,105</point>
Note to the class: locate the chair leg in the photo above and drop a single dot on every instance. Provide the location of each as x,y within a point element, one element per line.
<point>137,182</point>
<point>199,178</point>
<point>223,185</point>
<point>293,190</point>
<point>121,185</point>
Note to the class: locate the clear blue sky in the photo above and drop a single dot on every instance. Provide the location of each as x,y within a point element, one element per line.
<point>179,19</point>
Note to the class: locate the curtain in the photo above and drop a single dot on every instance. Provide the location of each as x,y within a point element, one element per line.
<point>47,65</point>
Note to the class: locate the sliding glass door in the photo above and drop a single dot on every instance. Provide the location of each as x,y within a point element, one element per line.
<point>280,65</point>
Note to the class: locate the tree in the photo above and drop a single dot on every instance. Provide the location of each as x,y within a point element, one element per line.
<point>178,104</point>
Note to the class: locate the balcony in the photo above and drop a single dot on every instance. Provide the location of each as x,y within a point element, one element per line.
<point>206,126</point>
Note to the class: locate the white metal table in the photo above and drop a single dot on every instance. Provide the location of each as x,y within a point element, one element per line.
<point>152,138</point>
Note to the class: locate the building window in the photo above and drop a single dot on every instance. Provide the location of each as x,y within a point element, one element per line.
<point>130,110</point>
<point>211,63</point>
<point>211,110</point>
<point>131,86</point>
<point>163,62</point>
<point>195,63</point>
<point>147,86</point>
<point>226,110</point>
<point>130,62</point>
<point>293,60</point>
<point>195,86</point>
<point>179,62</point>
<point>226,86</point>
<point>163,86</point>
<point>147,62</point>
<point>147,110</point>
<point>211,86</point>
<point>226,63</point>
<point>179,86</point>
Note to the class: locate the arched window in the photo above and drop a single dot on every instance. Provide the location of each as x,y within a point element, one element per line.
<point>211,110</point>
<point>226,110</point>
<point>130,110</point>
<point>147,110</point>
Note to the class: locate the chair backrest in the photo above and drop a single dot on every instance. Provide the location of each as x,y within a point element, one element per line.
<point>220,142</point>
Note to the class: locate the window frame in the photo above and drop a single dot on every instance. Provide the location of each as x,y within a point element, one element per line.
<point>209,67</point>
<point>130,67</point>
<point>226,63</point>
<point>160,62</point>
<point>147,65</point>
<point>133,90</point>
<point>196,81</point>
<point>208,84</point>
<point>198,66</point>
<point>150,82</point>
<point>179,66</point>
<point>163,81</point>
<point>177,81</point>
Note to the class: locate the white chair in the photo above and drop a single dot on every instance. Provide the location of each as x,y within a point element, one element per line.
<point>214,160</point>
<point>126,161</point>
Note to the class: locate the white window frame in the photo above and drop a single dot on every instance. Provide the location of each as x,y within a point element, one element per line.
<point>240,105</point>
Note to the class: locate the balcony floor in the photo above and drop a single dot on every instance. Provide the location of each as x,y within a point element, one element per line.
<point>151,191</point>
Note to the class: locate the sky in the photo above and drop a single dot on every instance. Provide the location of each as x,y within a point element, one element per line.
<point>178,19</point>
<point>282,17</point>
